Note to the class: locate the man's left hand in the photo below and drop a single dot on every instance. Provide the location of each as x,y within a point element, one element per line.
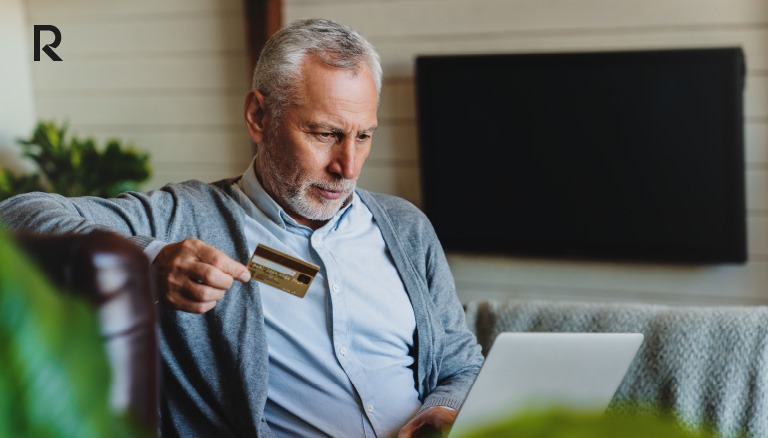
<point>429,423</point>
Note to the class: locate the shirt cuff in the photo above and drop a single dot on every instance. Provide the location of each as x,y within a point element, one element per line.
<point>153,249</point>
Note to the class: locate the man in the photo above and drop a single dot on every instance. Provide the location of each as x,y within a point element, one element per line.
<point>377,346</point>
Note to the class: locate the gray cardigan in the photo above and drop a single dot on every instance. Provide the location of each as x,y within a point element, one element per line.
<point>214,365</point>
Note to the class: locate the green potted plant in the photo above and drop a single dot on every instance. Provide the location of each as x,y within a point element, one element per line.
<point>73,166</point>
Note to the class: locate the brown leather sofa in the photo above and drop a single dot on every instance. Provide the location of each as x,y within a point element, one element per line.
<point>112,274</point>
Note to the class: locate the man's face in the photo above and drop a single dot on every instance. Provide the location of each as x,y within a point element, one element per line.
<point>309,160</point>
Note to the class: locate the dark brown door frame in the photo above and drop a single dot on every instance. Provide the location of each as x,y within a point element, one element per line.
<point>262,19</point>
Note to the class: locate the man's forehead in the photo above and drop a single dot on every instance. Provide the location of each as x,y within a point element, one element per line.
<point>313,68</point>
<point>336,98</point>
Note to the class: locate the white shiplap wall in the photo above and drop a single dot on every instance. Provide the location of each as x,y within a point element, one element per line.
<point>402,29</point>
<point>168,76</point>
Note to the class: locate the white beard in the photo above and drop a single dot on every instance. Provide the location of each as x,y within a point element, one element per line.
<point>298,197</point>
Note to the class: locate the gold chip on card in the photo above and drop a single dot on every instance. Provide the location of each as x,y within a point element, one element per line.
<point>282,271</point>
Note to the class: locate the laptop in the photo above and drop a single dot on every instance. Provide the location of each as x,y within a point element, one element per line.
<point>532,371</point>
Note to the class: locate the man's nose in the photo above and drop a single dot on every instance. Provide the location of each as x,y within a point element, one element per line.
<point>344,161</point>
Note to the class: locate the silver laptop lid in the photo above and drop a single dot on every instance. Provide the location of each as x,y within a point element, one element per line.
<point>532,371</point>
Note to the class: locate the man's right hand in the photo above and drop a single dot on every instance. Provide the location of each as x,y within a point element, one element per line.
<point>192,275</point>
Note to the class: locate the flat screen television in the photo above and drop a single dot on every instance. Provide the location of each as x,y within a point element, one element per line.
<point>631,155</point>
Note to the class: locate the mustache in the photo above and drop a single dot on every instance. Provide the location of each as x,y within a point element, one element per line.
<point>336,186</point>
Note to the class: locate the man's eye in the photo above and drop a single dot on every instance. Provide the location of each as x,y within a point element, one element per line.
<point>363,137</point>
<point>326,135</point>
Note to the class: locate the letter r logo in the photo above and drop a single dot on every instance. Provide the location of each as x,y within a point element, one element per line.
<point>48,47</point>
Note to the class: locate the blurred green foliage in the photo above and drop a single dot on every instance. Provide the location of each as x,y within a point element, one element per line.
<point>76,167</point>
<point>54,373</point>
<point>628,422</point>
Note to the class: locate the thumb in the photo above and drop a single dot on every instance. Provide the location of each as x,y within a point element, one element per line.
<point>240,272</point>
<point>245,276</point>
<point>231,267</point>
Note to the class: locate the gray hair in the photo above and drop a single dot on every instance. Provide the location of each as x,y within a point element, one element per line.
<point>278,71</point>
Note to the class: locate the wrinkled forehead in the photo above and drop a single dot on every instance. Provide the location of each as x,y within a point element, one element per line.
<point>324,84</point>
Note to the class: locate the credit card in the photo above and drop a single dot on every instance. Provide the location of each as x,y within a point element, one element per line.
<point>282,271</point>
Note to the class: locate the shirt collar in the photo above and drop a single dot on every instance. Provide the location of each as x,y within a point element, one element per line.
<point>250,185</point>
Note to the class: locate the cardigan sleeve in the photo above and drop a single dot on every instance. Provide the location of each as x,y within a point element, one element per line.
<point>141,217</point>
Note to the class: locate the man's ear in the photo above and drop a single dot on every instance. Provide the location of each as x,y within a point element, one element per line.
<point>255,116</point>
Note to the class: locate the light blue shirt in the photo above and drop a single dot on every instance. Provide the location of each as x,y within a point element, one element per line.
<point>341,358</point>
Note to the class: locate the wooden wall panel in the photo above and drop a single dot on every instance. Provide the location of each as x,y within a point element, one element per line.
<point>145,36</point>
<point>143,107</point>
<point>756,97</point>
<point>399,51</point>
<point>401,179</point>
<point>210,145</point>
<point>90,10</point>
<point>683,284</point>
<point>756,143</point>
<point>221,71</point>
<point>395,142</point>
<point>198,171</point>
<point>757,229</point>
<point>459,17</point>
<point>757,190</point>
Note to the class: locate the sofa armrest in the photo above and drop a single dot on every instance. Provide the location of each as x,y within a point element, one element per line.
<point>112,274</point>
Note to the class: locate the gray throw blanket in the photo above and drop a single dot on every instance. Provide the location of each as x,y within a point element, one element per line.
<point>709,365</point>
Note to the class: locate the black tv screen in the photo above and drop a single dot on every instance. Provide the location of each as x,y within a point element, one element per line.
<point>633,155</point>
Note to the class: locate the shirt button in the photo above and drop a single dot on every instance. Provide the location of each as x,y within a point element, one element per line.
<point>343,351</point>
<point>335,288</point>
<point>370,408</point>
